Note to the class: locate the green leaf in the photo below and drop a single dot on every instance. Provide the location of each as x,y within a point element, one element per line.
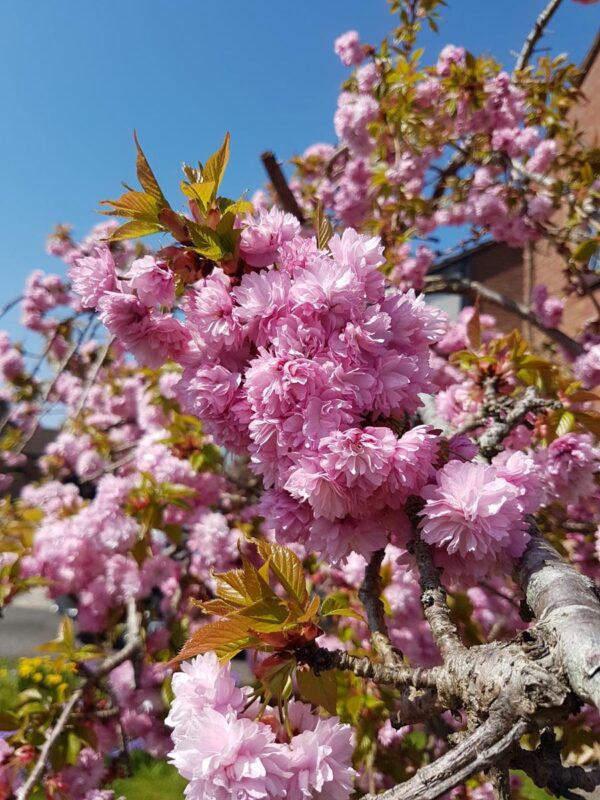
<point>201,192</point>
<point>585,250</point>
<point>206,241</point>
<point>146,176</point>
<point>287,568</point>
<point>265,615</point>
<point>133,230</point>
<point>320,690</point>
<point>214,168</point>
<point>339,605</point>
<point>137,205</point>
<point>565,424</point>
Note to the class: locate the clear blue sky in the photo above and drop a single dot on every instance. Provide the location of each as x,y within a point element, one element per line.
<point>78,75</point>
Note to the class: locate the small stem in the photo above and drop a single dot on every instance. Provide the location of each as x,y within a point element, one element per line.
<point>370,597</point>
<point>280,184</point>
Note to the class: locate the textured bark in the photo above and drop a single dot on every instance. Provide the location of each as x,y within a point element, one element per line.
<point>565,602</point>
<point>370,597</point>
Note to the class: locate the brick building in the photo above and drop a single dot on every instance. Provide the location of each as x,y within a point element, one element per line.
<point>515,271</point>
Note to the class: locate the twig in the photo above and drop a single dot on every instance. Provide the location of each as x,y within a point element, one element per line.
<point>93,677</point>
<point>93,375</point>
<point>536,34</point>
<point>5,309</point>
<point>320,660</point>
<point>370,597</point>
<point>490,441</point>
<point>435,607</point>
<point>280,184</point>
<point>436,283</point>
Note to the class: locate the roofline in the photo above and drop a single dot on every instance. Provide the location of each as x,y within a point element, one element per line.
<point>466,253</point>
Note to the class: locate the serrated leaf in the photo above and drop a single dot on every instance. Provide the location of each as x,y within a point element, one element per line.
<point>320,690</point>
<point>137,205</point>
<point>231,587</point>
<point>267,614</point>
<point>310,610</point>
<point>220,608</point>
<point>206,241</point>
<point>323,227</point>
<point>226,637</point>
<point>566,423</point>
<point>216,164</point>
<point>146,177</point>
<point>287,568</point>
<point>133,230</point>
<point>338,605</point>
<point>202,192</point>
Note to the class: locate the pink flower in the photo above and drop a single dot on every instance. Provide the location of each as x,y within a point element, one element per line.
<point>549,309</point>
<point>265,234</point>
<point>321,762</point>
<point>336,540</point>
<point>348,48</point>
<point>262,299</point>
<point>451,54</point>
<point>568,466</point>
<point>209,312</point>
<point>224,756</point>
<point>203,683</point>
<point>153,281</point>
<point>93,275</point>
<point>125,317</point>
<point>474,515</point>
<point>543,155</point>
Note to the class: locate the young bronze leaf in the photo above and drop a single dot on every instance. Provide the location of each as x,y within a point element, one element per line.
<point>268,614</point>
<point>287,568</point>
<point>320,690</point>
<point>231,587</point>
<point>146,176</point>
<point>214,168</point>
<point>201,192</point>
<point>474,327</point>
<point>225,636</point>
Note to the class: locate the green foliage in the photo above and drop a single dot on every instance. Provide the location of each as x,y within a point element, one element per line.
<point>151,780</point>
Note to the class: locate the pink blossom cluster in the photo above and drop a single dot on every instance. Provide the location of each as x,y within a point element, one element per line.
<point>288,363</point>
<point>131,305</point>
<point>223,752</point>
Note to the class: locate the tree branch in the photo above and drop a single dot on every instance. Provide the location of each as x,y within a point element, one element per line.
<point>536,34</point>
<point>280,184</point>
<point>546,770</point>
<point>565,602</point>
<point>490,441</point>
<point>435,607</point>
<point>320,660</point>
<point>370,597</point>
<point>437,283</point>
<point>476,753</point>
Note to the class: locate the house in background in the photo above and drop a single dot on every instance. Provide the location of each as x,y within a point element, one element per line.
<point>514,272</point>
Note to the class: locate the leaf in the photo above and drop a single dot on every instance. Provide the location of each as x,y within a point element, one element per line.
<point>565,424</point>
<point>214,168</point>
<point>310,610</point>
<point>323,226</point>
<point>225,636</point>
<point>339,605</point>
<point>320,690</point>
<point>231,587</point>
<point>287,568</point>
<point>202,192</point>
<point>134,229</point>
<point>585,250</point>
<point>146,176</point>
<point>265,615</point>
<point>205,240</point>
<point>589,420</point>
<point>137,205</point>
<point>474,327</point>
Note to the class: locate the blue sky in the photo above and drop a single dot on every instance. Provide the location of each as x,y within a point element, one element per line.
<point>78,77</point>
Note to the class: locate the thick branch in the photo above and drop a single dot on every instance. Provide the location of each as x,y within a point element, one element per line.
<point>370,597</point>
<point>280,184</point>
<point>476,753</point>
<point>566,602</point>
<point>548,772</point>
<point>436,283</point>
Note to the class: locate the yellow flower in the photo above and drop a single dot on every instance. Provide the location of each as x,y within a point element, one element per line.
<point>53,680</point>
<point>38,677</point>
